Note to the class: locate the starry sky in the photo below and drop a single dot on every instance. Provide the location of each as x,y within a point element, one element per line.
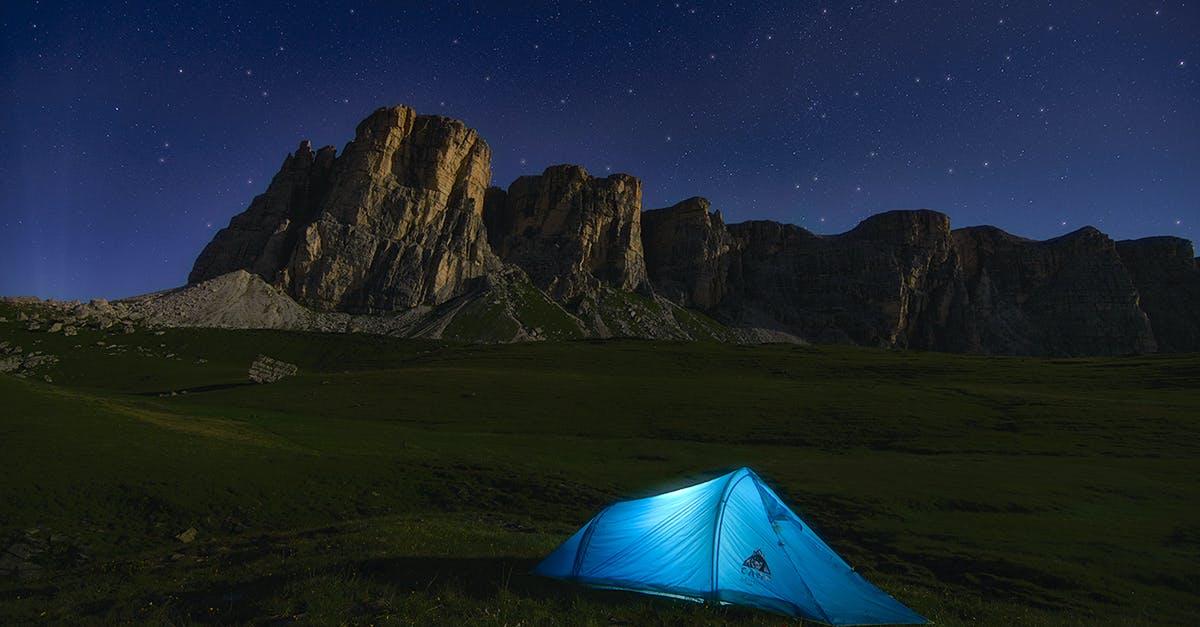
<point>133,131</point>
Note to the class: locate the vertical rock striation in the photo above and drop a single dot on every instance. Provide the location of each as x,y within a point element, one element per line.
<point>395,222</point>
<point>887,282</point>
<point>1067,296</point>
<point>571,232</point>
<point>1168,283</point>
<point>688,251</point>
<point>260,239</point>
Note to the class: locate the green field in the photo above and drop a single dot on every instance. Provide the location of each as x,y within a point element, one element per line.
<point>417,482</point>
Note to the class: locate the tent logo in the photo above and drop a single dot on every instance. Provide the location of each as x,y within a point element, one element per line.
<point>756,566</point>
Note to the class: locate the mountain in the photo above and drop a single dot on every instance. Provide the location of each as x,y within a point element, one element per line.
<point>404,233</point>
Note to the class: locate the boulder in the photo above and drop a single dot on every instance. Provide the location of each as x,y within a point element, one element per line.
<point>267,370</point>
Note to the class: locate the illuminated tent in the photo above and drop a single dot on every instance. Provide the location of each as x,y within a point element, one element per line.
<point>730,540</point>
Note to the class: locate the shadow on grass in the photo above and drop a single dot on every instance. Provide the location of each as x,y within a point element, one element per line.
<point>199,389</point>
<point>482,580</point>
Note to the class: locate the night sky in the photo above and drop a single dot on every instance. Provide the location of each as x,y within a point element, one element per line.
<point>133,131</point>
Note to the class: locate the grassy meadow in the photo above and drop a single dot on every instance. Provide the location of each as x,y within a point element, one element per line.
<point>417,482</point>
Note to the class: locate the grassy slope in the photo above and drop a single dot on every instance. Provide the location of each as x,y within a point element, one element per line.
<point>418,482</point>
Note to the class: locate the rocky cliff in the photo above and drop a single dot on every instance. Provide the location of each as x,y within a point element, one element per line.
<point>1167,279</point>
<point>395,222</point>
<point>571,232</point>
<point>688,251</point>
<point>1066,296</point>
<point>261,238</point>
<point>887,282</point>
<point>403,223</point>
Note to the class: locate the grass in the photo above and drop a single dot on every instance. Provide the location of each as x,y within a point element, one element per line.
<point>417,482</point>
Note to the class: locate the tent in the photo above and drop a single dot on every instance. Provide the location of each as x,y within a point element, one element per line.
<point>730,540</point>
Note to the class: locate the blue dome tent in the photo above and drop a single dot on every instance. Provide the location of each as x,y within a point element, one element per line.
<point>730,540</point>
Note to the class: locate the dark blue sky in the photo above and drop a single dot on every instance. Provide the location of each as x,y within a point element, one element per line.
<point>133,131</point>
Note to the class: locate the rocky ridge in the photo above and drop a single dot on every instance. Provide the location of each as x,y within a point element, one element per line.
<point>401,234</point>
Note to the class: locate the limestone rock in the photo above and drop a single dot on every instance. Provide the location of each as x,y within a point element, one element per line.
<point>10,363</point>
<point>1067,296</point>
<point>688,252</point>
<point>260,239</point>
<point>571,232</point>
<point>267,370</point>
<point>888,282</point>
<point>235,300</point>
<point>1167,279</point>
<point>395,222</point>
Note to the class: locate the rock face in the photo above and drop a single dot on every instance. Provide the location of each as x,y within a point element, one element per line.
<point>887,282</point>
<point>1168,282</point>
<point>261,239</point>
<point>1066,296</point>
<point>688,251</point>
<point>571,232</point>
<point>395,222</point>
<point>904,279</point>
<point>401,234</point>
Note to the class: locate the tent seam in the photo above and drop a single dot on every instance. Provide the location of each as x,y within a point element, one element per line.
<point>581,550</point>
<point>714,591</point>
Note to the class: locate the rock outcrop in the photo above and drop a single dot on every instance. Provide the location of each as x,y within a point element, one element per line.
<point>266,370</point>
<point>261,239</point>
<point>1067,296</point>
<point>904,279</point>
<point>1168,283</point>
<point>401,234</point>
<point>571,232</point>
<point>688,251</point>
<point>888,282</point>
<point>395,222</point>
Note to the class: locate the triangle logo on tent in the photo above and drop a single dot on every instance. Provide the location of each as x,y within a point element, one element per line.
<point>757,562</point>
